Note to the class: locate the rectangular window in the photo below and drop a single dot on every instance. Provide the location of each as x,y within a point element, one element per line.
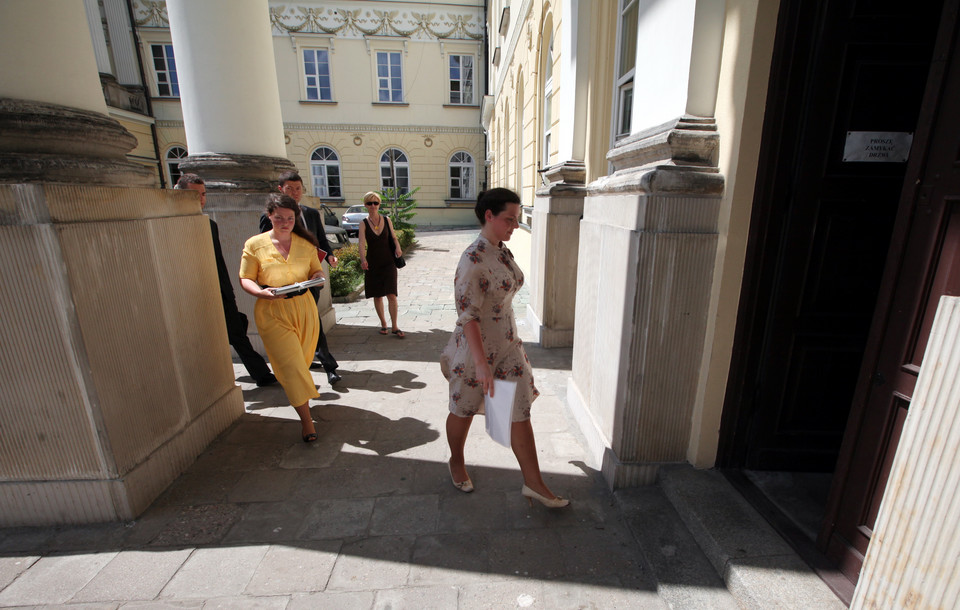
<point>389,77</point>
<point>165,68</point>
<point>316,74</point>
<point>626,64</point>
<point>461,79</point>
<point>625,110</point>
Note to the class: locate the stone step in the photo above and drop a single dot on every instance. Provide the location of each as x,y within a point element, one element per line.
<point>685,577</point>
<point>757,567</point>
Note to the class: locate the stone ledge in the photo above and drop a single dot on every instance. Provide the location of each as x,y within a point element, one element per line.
<point>353,297</point>
<point>756,564</point>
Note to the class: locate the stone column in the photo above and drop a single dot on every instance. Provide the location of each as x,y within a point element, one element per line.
<point>53,119</point>
<point>115,359</point>
<point>229,93</point>
<point>649,235</point>
<point>558,207</point>
<point>231,114</point>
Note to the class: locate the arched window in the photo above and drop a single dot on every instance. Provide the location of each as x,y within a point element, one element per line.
<point>547,111</point>
<point>174,154</point>
<point>520,159</point>
<point>505,145</point>
<point>325,172</point>
<point>394,166</point>
<point>462,176</point>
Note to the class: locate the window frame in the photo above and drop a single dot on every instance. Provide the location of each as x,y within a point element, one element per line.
<point>546,110</point>
<point>316,42</point>
<point>390,77</point>
<point>385,165</point>
<point>624,88</point>
<point>460,82</point>
<point>305,78</point>
<point>172,181</point>
<point>326,164</point>
<point>172,82</point>
<point>471,186</point>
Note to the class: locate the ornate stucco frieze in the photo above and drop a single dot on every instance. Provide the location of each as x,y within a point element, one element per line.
<point>150,13</point>
<point>344,21</point>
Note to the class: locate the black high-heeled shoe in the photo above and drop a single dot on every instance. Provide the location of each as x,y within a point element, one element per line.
<point>309,438</point>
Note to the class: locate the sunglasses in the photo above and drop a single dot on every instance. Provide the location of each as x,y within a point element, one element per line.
<point>371,203</point>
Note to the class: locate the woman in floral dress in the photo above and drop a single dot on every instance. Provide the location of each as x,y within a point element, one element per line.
<point>485,346</point>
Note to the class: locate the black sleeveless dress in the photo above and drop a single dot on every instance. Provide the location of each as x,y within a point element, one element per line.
<point>380,278</point>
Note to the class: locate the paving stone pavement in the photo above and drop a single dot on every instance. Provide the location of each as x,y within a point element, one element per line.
<point>366,517</point>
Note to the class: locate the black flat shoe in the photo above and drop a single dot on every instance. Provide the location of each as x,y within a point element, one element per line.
<point>309,438</point>
<point>333,378</point>
<point>265,381</point>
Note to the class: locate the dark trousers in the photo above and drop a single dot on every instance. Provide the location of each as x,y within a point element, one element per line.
<point>237,335</point>
<point>324,357</point>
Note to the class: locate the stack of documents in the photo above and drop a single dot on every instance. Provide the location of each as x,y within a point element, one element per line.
<point>499,410</point>
<point>298,286</point>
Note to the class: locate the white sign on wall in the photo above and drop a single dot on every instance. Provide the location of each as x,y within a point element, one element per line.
<point>877,146</point>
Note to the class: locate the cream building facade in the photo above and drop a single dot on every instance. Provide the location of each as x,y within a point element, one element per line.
<point>361,83</point>
<point>733,272</point>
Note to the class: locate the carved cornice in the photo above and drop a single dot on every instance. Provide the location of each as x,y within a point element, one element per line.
<point>344,22</point>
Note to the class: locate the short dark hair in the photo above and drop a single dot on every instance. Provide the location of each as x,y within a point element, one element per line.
<point>495,200</point>
<point>291,176</point>
<point>186,179</point>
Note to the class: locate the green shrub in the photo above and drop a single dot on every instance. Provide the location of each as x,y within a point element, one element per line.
<point>400,207</point>
<point>347,275</point>
<point>405,237</point>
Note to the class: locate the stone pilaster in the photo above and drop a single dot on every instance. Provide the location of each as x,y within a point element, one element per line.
<point>557,210</point>
<point>648,236</point>
<point>116,365</point>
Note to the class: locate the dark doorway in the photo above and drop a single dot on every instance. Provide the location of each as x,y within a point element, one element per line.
<point>923,265</point>
<point>822,226</point>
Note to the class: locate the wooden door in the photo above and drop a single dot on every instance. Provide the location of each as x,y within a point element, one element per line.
<point>923,265</point>
<point>822,224</point>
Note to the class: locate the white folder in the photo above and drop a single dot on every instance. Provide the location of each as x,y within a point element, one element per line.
<point>499,410</point>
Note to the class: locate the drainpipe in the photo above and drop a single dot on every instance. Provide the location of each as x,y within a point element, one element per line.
<point>486,90</point>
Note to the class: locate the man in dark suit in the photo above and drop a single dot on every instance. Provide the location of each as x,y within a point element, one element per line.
<point>236,321</point>
<point>291,184</point>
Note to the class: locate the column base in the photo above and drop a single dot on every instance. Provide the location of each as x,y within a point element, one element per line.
<point>235,172</point>
<point>41,142</point>
<point>558,208</point>
<point>546,336</point>
<point>617,473</point>
<point>65,502</point>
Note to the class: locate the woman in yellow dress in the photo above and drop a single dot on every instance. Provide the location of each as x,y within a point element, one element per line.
<point>288,324</point>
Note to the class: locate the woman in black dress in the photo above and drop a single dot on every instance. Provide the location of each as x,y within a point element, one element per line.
<point>378,248</point>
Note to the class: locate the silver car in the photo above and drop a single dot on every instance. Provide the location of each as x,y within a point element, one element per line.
<point>350,221</point>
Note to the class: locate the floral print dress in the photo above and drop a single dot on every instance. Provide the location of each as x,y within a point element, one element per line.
<point>486,281</point>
